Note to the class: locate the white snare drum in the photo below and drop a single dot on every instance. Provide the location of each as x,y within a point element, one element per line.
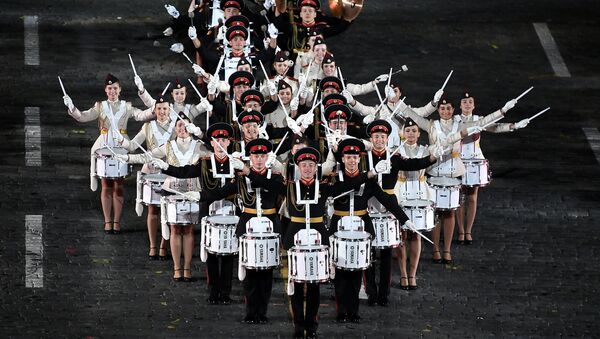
<point>387,231</point>
<point>107,166</point>
<point>477,172</point>
<point>259,251</point>
<point>447,192</point>
<point>181,211</point>
<point>218,234</point>
<point>221,207</point>
<point>351,250</point>
<point>421,213</point>
<point>151,187</point>
<point>351,223</point>
<point>308,264</point>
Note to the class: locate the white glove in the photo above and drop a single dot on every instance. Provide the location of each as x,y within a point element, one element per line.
<point>273,31</point>
<point>304,93</point>
<point>212,86</point>
<point>271,157</point>
<point>474,130</point>
<point>438,95</point>
<point>68,102</point>
<point>205,104</point>
<point>382,166</point>
<point>192,33</point>
<point>262,131</point>
<point>522,124</point>
<point>510,104</point>
<point>348,96</point>
<point>268,4</point>
<point>389,92</point>
<point>177,47</point>
<point>308,120</point>
<point>172,11</point>
<point>122,157</point>
<point>236,164</point>
<point>138,82</point>
<point>237,155</point>
<point>193,129</point>
<point>380,78</point>
<point>272,87</point>
<point>436,150</point>
<point>294,127</point>
<point>192,195</point>
<point>368,119</point>
<point>168,31</point>
<point>198,69</point>
<point>158,163</point>
<point>331,140</point>
<point>409,225</point>
<point>294,104</point>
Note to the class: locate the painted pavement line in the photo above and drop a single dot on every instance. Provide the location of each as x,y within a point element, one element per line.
<point>551,49</point>
<point>33,137</point>
<point>593,137</point>
<point>34,252</point>
<point>31,40</point>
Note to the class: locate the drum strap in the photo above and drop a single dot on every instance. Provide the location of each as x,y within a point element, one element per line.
<point>314,220</point>
<point>161,138</point>
<point>182,158</point>
<point>359,213</point>
<point>267,211</point>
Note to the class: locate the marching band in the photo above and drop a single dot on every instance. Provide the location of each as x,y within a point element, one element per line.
<point>285,159</point>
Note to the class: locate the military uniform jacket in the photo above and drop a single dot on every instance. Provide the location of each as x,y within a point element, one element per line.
<point>388,181</point>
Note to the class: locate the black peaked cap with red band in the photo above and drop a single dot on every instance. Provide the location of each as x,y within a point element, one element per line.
<point>252,95</point>
<point>259,146</point>
<point>333,112</point>
<point>239,4</point>
<point>328,82</point>
<point>234,31</point>
<point>334,99</point>
<point>250,116</point>
<point>316,4</point>
<point>241,78</point>
<point>220,130</point>
<point>350,146</point>
<point>237,20</point>
<point>307,153</point>
<point>379,126</point>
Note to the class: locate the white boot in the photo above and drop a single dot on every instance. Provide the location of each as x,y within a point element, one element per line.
<point>93,183</point>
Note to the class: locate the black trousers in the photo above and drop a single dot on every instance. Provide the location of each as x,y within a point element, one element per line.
<point>347,287</point>
<point>257,291</point>
<point>379,291</point>
<point>219,269</point>
<point>306,320</point>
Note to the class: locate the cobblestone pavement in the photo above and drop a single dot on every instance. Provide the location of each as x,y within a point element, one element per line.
<point>531,272</point>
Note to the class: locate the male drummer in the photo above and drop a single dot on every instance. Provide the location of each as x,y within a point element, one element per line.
<point>347,283</point>
<point>214,171</point>
<point>378,132</point>
<point>307,161</point>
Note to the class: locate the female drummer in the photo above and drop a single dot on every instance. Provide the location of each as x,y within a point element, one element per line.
<point>184,150</point>
<point>471,150</point>
<point>155,133</point>
<point>113,115</point>
<point>447,132</point>
<point>411,185</point>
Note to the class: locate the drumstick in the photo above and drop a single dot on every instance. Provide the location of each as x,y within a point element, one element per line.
<point>398,106</point>
<point>111,150</point>
<point>378,93</point>
<point>403,69</point>
<point>195,89</point>
<point>221,147</point>
<point>281,142</point>
<point>341,195</point>
<point>283,106</point>
<point>62,86</point>
<point>165,90</point>
<point>523,94</point>
<point>174,191</point>
<point>538,114</point>
<point>143,149</point>
<point>264,71</point>
<point>132,65</point>
<point>389,77</point>
<point>419,233</point>
<point>327,127</point>
<point>491,122</point>
<point>447,78</point>
<point>187,57</point>
<point>341,78</point>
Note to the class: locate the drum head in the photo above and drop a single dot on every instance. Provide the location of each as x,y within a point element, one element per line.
<point>444,181</point>
<point>352,235</point>
<point>223,219</point>
<point>417,203</point>
<point>158,177</point>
